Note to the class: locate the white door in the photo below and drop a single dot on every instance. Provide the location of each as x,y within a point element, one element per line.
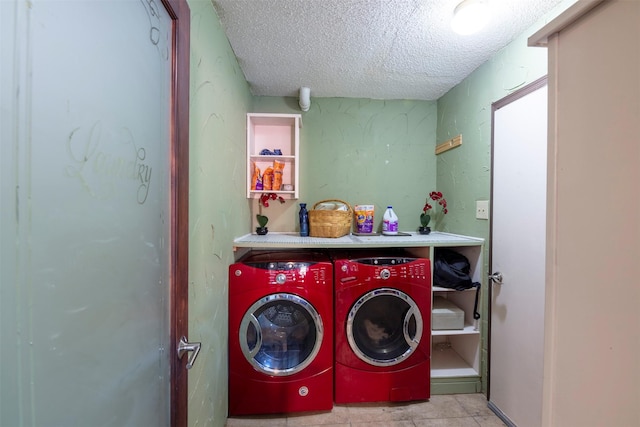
<point>86,265</point>
<point>518,254</point>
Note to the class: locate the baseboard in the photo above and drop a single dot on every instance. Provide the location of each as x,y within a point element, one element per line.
<point>501,415</point>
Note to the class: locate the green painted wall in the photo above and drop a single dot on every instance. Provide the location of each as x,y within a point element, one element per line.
<point>363,151</point>
<point>220,99</point>
<point>464,173</point>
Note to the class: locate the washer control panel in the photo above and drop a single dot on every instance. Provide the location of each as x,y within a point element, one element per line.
<point>278,273</point>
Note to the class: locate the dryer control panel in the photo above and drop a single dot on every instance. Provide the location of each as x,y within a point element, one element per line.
<point>383,269</point>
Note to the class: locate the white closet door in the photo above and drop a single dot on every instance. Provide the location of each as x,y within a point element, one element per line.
<point>518,253</point>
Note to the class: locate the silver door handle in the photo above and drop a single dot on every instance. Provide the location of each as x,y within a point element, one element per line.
<point>496,278</point>
<point>185,346</point>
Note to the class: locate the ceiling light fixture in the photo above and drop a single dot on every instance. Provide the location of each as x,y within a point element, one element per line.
<point>470,16</point>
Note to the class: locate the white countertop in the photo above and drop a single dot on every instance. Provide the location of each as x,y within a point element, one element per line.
<point>294,240</point>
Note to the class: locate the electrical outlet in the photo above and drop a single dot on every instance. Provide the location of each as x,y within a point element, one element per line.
<point>482,209</point>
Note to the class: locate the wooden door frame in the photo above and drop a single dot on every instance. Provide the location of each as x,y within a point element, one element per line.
<point>179,165</point>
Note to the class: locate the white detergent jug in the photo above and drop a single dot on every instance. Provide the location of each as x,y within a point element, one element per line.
<point>389,222</point>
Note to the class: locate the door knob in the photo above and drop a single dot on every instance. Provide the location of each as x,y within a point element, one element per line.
<point>184,346</point>
<point>496,278</point>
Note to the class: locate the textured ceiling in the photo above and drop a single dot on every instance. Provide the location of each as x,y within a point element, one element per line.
<point>381,49</point>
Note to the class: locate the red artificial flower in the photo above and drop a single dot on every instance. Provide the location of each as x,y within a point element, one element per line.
<point>265,197</point>
<point>437,197</point>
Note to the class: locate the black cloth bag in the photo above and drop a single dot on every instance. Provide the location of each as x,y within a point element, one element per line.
<point>452,270</point>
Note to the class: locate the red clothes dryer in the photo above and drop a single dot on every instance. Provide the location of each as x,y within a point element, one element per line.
<point>382,329</point>
<point>280,333</point>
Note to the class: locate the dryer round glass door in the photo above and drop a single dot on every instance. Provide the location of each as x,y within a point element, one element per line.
<point>281,334</point>
<point>384,327</point>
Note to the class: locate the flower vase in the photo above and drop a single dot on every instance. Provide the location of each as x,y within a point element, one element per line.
<point>424,230</point>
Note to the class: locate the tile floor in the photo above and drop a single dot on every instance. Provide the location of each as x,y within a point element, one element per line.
<point>456,410</point>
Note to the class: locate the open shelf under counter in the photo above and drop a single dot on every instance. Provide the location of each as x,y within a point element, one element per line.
<point>446,363</point>
<point>467,330</point>
<point>441,289</point>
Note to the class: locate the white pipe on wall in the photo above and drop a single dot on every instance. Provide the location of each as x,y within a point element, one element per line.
<point>305,98</point>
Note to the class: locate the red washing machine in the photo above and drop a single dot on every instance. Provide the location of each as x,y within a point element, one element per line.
<point>280,333</point>
<point>382,329</point>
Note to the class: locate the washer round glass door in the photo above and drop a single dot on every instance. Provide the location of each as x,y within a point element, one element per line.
<point>384,327</point>
<point>281,334</point>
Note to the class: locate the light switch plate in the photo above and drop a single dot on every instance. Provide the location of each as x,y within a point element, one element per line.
<point>482,209</point>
